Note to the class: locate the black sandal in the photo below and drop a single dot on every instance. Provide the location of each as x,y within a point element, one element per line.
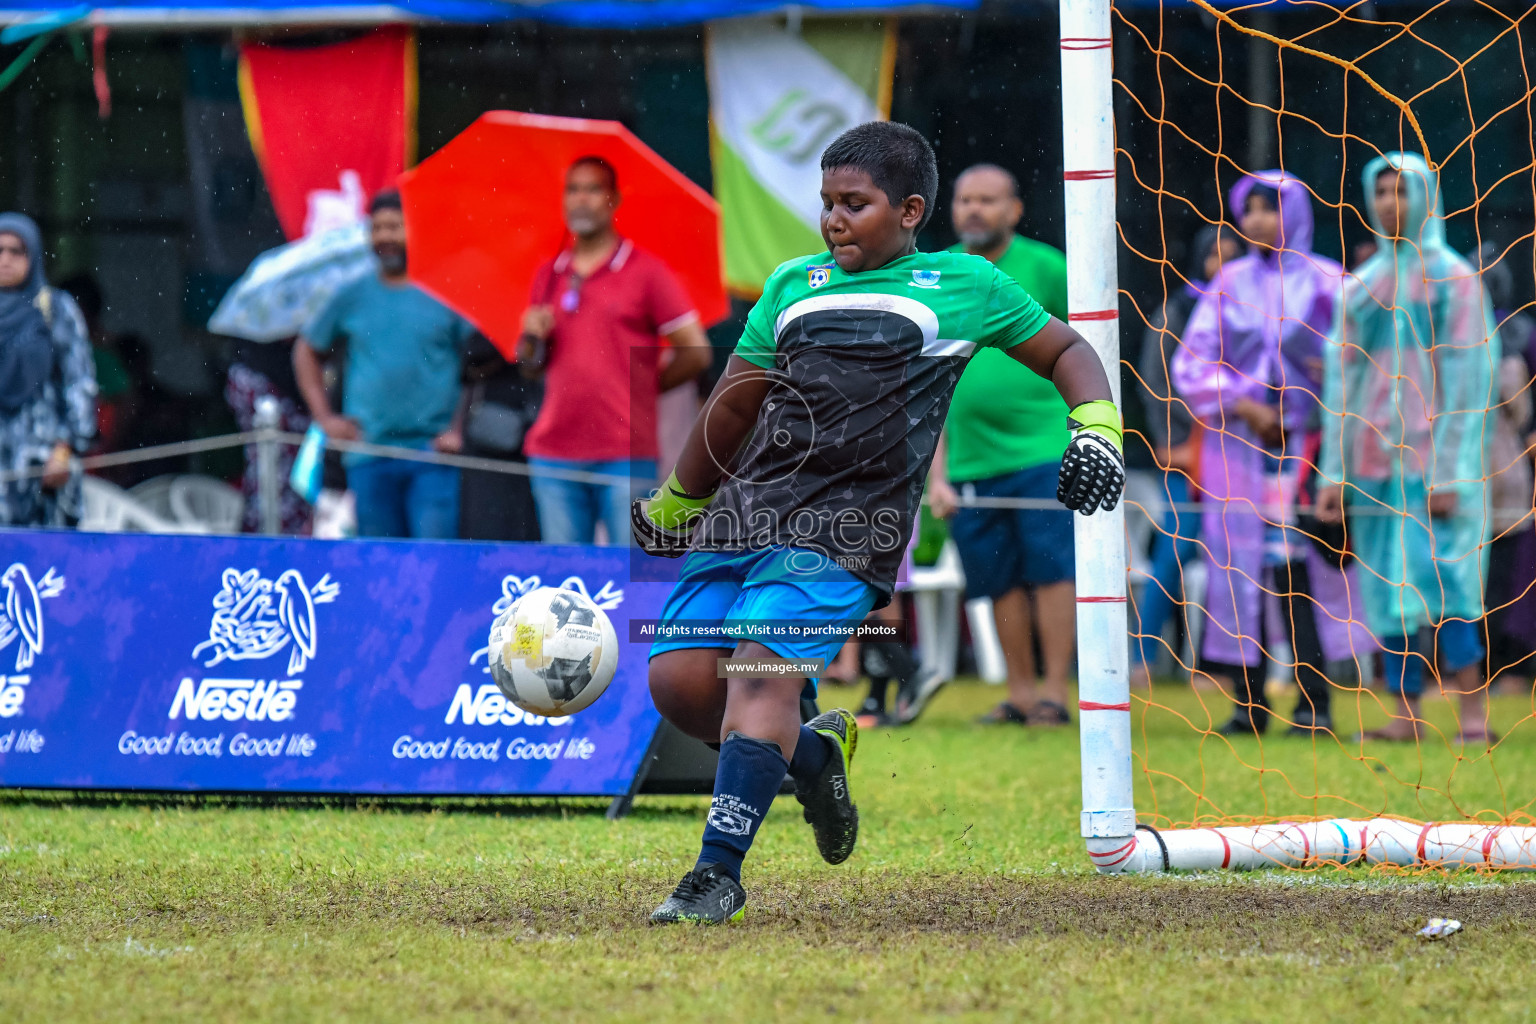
<point>1004,714</point>
<point>1048,712</point>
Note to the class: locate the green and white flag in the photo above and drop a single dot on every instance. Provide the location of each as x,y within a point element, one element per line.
<point>776,98</point>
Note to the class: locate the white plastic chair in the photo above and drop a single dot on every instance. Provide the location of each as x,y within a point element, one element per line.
<point>936,591</point>
<point>208,504</point>
<point>1194,600</point>
<point>990,664</point>
<point>110,509</point>
<point>155,495</point>
<point>335,515</point>
<point>1145,502</point>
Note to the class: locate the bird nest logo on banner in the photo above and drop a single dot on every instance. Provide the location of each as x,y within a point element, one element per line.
<point>22,624</point>
<point>255,618</point>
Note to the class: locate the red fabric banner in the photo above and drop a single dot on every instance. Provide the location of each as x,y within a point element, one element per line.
<point>331,125</point>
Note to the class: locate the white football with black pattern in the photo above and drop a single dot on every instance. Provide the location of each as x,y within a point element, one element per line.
<point>553,652</point>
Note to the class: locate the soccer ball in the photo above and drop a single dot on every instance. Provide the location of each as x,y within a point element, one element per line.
<point>553,652</point>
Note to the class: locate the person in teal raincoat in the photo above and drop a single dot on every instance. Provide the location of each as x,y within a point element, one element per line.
<point>1409,386</point>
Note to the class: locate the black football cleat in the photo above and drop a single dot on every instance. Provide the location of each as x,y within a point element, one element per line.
<point>828,802</point>
<point>706,895</point>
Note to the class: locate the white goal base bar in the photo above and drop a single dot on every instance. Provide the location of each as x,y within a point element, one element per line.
<point>1453,845</point>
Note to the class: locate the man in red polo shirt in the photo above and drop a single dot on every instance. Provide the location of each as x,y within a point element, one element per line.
<point>598,310</point>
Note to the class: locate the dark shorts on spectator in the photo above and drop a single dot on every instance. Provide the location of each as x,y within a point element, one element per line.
<point>1005,548</point>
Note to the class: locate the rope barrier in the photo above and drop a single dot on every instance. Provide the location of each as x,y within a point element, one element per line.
<point>473,462</point>
<point>482,464</point>
<point>176,449</point>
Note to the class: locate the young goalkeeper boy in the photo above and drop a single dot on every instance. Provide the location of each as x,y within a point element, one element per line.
<point>795,494</point>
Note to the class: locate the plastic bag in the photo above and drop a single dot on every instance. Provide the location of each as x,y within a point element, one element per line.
<point>309,465</point>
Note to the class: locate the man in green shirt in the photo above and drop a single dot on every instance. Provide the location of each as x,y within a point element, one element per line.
<point>1004,438</point>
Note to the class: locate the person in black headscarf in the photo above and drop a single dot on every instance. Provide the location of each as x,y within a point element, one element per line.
<point>1168,428</point>
<point>47,386</point>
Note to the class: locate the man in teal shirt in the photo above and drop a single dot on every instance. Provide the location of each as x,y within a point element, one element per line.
<point>401,386</point>
<point>1004,438</point>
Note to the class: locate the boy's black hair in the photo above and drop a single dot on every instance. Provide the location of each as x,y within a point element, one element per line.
<point>388,199</point>
<point>896,157</point>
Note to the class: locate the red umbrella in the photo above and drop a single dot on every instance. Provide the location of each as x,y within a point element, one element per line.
<point>483,213</point>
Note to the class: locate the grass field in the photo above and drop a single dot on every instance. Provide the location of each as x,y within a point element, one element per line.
<point>969,898</point>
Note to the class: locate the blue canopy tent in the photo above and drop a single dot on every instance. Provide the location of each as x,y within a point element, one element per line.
<point>596,14</point>
<point>45,15</point>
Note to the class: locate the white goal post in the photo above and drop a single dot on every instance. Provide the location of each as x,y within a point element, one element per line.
<point>1115,843</point>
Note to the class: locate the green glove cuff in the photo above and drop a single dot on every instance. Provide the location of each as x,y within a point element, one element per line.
<point>672,507</point>
<point>1102,418</point>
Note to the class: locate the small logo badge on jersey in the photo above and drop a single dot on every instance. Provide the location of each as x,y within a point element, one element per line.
<point>819,276</point>
<point>925,279</point>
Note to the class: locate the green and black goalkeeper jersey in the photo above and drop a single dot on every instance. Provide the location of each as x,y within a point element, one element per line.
<point>864,366</point>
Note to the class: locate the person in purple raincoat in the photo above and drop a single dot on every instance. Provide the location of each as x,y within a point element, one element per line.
<point>1250,367</point>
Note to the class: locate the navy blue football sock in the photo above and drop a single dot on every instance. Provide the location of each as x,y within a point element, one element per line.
<point>811,753</point>
<point>746,781</point>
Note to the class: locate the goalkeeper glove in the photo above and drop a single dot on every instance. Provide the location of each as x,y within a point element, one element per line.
<point>1093,468</point>
<point>663,523</point>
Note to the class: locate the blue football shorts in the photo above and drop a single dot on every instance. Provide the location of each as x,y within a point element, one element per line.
<point>768,588</point>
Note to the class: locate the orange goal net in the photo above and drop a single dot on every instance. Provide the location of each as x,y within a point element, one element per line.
<point>1325,215</point>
